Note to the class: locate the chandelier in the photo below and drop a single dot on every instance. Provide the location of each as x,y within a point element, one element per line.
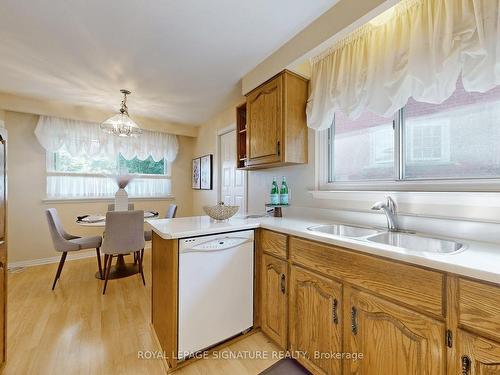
<point>121,124</point>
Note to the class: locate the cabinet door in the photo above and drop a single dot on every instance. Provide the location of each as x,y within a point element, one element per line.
<point>264,118</point>
<point>477,356</point>
<point>274,299</point>
<point>393,340</point>
<point>315,305</point>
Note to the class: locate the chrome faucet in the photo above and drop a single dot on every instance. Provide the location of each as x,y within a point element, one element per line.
<point>389,208</point>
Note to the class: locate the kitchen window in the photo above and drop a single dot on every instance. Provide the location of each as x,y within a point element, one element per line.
<point>447,146</point>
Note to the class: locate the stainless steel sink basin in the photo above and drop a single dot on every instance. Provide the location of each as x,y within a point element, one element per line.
<point>344,230</point>
<point>416,242</point>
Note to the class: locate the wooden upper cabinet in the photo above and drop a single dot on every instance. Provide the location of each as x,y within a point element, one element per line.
<point>276,130</point>
<point>264,122</point>
<point>315,314</point>
<point>477,356</point>
<point>393,339</point>
<point>274,315</point>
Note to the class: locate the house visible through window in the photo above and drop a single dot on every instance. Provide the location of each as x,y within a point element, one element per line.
<point>454,140</point>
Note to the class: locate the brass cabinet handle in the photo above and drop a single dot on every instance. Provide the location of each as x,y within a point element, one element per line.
<point>278,148</point>
<point>466,362</point>
<point>334,311</point>
<point>354,324</point>
<point>283,285</point>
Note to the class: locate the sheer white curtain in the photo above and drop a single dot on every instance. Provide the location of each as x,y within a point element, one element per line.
<point>418,49</point>
<point>84,138</point>
<point>70,186</point>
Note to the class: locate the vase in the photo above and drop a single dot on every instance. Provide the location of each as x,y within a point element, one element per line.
<point>121,200</point>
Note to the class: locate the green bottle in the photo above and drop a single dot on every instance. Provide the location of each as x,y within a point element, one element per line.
<point>275,196</point>
<point>284,192</point>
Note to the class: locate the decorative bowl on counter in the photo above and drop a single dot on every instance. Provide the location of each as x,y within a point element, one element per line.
<point>221,211</point>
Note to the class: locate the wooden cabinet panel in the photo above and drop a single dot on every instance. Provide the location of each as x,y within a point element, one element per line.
<point>274,243</point>
<point>477,356</point>
<point>264,116</point>
<point>274,315</point>
<point>314,316</point>
<point>164,293</point>
<point>479,307</point>
<point>413,286</point>
<point>276,127</point>
<point>393,339</point>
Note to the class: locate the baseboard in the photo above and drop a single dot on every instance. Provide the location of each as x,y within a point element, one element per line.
<point>55,259</point>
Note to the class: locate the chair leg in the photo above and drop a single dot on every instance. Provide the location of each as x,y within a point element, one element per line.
<point>98,252</point>
<point>141,270</point>
<point>135,257</point>
<point>105,265</point>
<point>59,268</point>
<point>108,268</point>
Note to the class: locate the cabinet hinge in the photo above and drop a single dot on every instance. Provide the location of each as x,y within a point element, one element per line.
<point>449,338</point>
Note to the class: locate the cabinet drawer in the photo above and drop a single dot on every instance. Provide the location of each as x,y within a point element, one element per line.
<point>479,307</point>
<point>273,243</point>
<point>413,286</point>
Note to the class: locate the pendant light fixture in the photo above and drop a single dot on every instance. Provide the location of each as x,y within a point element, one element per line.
<point>121,124</point>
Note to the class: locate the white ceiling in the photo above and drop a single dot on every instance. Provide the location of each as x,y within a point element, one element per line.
<point>182,59</point>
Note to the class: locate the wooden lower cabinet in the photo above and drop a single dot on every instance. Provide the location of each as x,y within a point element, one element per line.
<point>274,291</point>
<point>393,339</point>
<point>477,355</point>
<point>314,320</point>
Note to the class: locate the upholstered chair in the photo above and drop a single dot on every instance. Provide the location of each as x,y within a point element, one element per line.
<point>124,234</point>
<point>65,242</point>
<point>171,212</point>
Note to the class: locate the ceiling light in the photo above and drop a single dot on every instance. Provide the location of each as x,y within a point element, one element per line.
<point>121,124</point>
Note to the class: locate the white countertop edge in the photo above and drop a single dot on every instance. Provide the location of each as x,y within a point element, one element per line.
<point>475,261</point>
<point>203,232</point>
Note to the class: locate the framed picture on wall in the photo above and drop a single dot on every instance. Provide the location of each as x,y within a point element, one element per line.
<point>195,175</point>
<point>206,172</point>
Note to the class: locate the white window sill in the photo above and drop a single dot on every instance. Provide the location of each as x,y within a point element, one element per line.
<point>103,199</point>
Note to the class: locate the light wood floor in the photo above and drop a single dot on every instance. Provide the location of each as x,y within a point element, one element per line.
<point>76,330</point>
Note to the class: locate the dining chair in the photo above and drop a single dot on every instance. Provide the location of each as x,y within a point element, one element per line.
<point>111,207</point>
<point>65,242</point>
<point>124,234</point>
<point>171,212</point>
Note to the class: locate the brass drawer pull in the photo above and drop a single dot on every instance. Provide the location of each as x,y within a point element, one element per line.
<point>283,284</point>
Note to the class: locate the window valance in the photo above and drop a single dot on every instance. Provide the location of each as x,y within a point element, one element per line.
<point>78,137</point>
<point>417,49</point>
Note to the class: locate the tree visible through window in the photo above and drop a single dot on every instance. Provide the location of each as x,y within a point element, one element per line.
<point>65,162</point>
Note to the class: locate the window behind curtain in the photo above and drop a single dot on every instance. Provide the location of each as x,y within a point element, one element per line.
<point>82,176</point>
<point>456,140</point>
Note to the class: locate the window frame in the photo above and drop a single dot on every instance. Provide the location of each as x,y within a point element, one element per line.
<point>325,165</point>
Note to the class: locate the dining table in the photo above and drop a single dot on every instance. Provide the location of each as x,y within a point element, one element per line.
<point>121,268</point>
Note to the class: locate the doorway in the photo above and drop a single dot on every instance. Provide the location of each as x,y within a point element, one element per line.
<point>232,182</point>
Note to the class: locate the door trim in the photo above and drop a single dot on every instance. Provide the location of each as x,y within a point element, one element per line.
<point>220,133</point>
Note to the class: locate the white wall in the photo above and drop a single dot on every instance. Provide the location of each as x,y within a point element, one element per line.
<point>206,143</point>
<point>28,236</point>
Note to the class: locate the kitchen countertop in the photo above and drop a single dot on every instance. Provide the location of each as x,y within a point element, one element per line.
<point>480,260</point>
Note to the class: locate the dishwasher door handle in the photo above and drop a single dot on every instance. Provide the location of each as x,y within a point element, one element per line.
<point>222,244</point>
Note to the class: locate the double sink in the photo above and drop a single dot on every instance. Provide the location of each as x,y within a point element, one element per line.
<point>400,239</point>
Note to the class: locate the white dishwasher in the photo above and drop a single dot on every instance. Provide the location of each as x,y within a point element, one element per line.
<point>215,289</point>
